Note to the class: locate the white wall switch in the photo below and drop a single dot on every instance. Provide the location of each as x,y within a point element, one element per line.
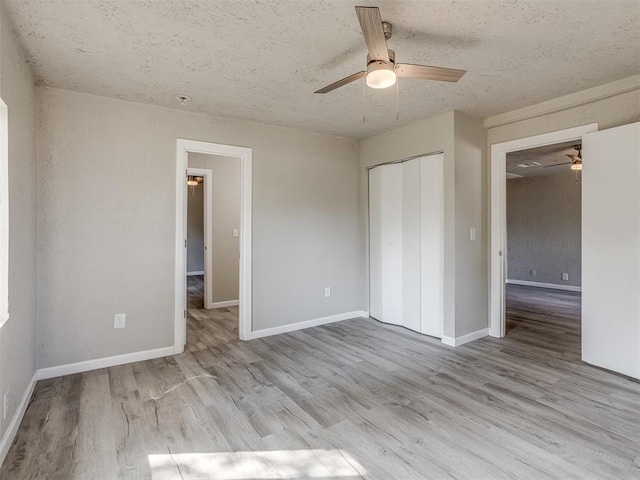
<point>472,234</point>
<point>119,320</point>
<point>565,276</point>
<point>327,291</point>
<point>235,233</point>
<point>5,408</point>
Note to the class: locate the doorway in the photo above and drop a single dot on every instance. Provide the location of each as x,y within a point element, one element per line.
<point>543,245</point>
<point>242,235</point>
<point>498,215</point>
<point>199,234</point>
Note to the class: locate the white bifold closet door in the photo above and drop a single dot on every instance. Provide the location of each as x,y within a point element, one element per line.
<point>406,244</point>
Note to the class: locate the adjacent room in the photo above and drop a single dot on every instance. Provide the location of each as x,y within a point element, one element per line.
<point>247,240</point>
<point>543,199</point>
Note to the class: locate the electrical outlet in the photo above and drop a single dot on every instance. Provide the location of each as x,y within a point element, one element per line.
<point>119,320</point>
<point>5,408</point>
<point>533,273</point>
<point>565,276</point>
<point>327,291</point>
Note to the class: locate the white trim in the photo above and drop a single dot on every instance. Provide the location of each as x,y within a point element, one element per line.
<point>207,227</point>
<point>554,286</point>
<point>573,100</point>
<point>469,337</point>
<point>88,365</point>
<point>5,185</point>
<point>228,303</point>
<point>291,327</point>
<point>497,215</point>
<point>199,272</point>
<point>12,429</point>
<point>246,159</point>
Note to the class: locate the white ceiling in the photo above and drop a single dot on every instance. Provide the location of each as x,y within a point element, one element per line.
<point>262,60</point>
<point>548,156</point>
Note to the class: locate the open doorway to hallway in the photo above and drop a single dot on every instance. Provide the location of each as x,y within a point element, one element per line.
<point>543,245</point>
<point>213,248</point>
<point>222,204</point>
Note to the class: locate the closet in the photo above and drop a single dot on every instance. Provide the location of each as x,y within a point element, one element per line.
<point>406,217</point>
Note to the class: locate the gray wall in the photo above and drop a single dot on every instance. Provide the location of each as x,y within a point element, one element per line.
<point>195,228</point>
<point>463,140</point>
<point>107,246</point>
<point>18,335</point>
<point>543,228</point>
<point>225,214</point>
<point>609,112</point>
<point>470,212</point>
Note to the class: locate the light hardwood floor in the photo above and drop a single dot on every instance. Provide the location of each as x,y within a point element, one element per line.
<point>354,399</point>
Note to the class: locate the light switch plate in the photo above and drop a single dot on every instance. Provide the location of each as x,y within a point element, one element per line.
<point>472,234</point>
<point>565,276</point>
<point>235,233</point>
<point>327,291</point>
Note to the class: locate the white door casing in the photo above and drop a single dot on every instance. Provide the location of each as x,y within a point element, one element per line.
<point>498,221</point>
<point>245,156</point>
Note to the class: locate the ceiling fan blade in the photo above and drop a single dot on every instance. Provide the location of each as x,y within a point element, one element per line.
<point>426,72</point>
<point>557,164</point>
<point>340,83</point>
<point>371,24</point>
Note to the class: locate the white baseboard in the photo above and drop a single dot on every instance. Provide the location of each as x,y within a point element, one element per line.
<point>12,429</point>
<point>554,286</point>
<point>60,370</point>
<point>267,332</point>
<point>469,337</point>
<point>195,273</point>
<point>229,303</point>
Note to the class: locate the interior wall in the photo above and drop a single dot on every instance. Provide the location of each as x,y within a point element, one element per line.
<point>107,245</point>
<point>543,228</point>
<point>18,334</point>
<point>431,135</point>
<point>471,281</point>
<point>462,139</point>
<point>195,228</point>
<point>225,215</point>
<point>608,112</point>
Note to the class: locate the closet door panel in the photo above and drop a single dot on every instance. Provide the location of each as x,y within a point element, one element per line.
<point>432,244</point>
<point>391,244</point>
<point>411,244</point>
<point>375,253</point>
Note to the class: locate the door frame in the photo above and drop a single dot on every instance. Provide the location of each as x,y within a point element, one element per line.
<point>498,214</point>
<point>207,230</point>
<point>245,155</point>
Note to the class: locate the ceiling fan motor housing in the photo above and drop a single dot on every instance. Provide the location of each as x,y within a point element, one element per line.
<point>379,64</point>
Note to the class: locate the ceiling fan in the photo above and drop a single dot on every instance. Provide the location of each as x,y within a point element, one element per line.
<point>382,69</point>
<point>576,160</point>
<point>193,180</point>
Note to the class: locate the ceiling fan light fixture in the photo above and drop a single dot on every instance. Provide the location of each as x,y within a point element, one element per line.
<point>381,75</point>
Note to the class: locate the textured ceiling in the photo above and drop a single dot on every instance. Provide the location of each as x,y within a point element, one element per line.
<point>547,156</point>
<point>262,60</point>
